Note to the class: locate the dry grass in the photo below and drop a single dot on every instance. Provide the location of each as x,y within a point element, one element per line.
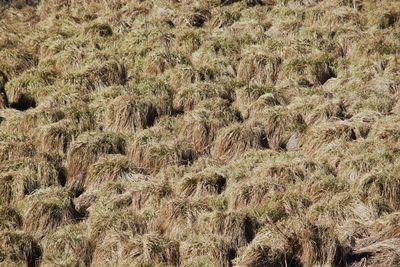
<point>84,151</point>
<point>199,133</point>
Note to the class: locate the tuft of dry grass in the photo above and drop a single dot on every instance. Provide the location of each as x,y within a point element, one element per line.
<point>19,248</point>
<point>236,139</point>
<point>47,209</point>
<point>84,151</point>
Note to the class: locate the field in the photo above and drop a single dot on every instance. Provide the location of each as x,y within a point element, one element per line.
<point>199,133</point>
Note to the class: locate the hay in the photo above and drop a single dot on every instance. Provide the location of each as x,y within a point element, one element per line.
<point>130,114</point>
<point>189,97</point>
<point>99,75</point>
<point>54,137</point>
<point>84,151</point>
<point>207,250</point>
<point>326,133</point>
<point>200,126</point>
<point>124,250</point>
<point>22,177</point>
<point>238,228</point>
<point>69,246</point>
<point>110,168</point>
<point>151,152</point>
<point>47,209</point>
<point>234,140</point>
<point>203,183</point>
<point>19,248</point>
<point>259,68</point>
<point>3,96</point>
<point>11,219</point>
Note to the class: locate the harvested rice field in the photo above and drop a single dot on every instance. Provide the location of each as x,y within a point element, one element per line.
<point>242,133</point>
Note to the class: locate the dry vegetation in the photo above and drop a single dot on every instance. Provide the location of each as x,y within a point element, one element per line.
<point>199,133</point>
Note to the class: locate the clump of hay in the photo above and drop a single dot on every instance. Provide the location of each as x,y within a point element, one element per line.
<point>321,246</point>
<point>47,209</point>
<point>251,98</point>
<point>203,183</point>
<point>178,216</point>
<point>207,250</point>
<point>130,114</point>
<point>21,91</point>
<point>187,98</point>
<point>381,185</point>
<point>238,228</point>
<point>55,136</point>
<point>110,168</point>
<point>99,75</point>
<point>11,219</point>
<point>22,177</point>
<point>318,136</point>
<point>84,151</point>
<point>3,96</point>
<point>271,246</point>
<point>151,151</point>
<point>311,70</point>
<point>155,91</point>
<point>23,121</point>
<point>385,129</point>
<point>259,68</point>
<point>160,62</point>
<point>69,245</point>
<point>121,248</point>
<point>279,124</point>
<point>200,126</point>
<point>234,140</point>
<point>150,193</point>
<point>329,110</point>
<point>19,248</point>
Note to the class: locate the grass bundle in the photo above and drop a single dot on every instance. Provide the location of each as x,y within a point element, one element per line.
<point>69,246</point>
<point>236,139</point>
<point>47,209</point>
<point>84,151</point>
<point>110,168</point>
<point>19,248</point>
<point>130,114</point>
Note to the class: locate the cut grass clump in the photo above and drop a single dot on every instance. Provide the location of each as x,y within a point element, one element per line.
<point>46,210</point>
<point>10,219</point>
<point>124,250</point>
<point>207,250</point>
<point>237,228</point>
<point>200,126</point>
<point>279,124</point>
<point>130,114</point>
<point>99,75</point>
<point>187,98</point>
<point>270,247</point>
<point>18,248</point>
<point>151,151</point>
<point>55,136</point>
<point>110,168</point>
<point>68,246</point>
<point>84,151</point>
<point>259,68</point>
<point>22,177</point>
<point>231,142</point>
<point>202,184</point>
<point>311,70</point>
<point>326,133</point>
<point>3,96</point>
